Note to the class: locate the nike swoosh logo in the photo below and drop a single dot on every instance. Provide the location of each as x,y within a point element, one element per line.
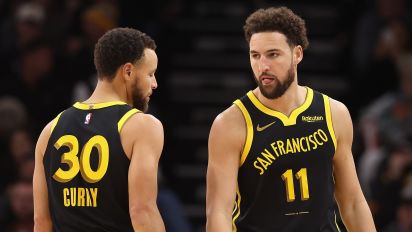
<point>258,128</point>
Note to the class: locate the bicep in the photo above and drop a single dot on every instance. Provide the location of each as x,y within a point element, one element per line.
<point>146,151</point>
<point>40,194</point>
<point>347,186</point>
<point>224,158</point>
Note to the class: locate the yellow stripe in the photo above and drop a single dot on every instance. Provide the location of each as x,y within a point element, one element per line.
<point>55,121</point>
<point>336,223</point>
<point>249,131</point>
<point>84,106</point>
<point>125,117</point>
<point>238,207</point>
<point>287,121</point>
<point>329,119</point>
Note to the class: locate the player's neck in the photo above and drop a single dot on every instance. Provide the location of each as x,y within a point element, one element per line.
<point>293,98</point>
<point>105,92</point>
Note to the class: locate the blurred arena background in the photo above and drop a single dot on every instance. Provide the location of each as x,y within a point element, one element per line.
<point>359,53</point>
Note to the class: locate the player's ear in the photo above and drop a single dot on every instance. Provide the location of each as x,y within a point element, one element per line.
<point>297,54</point>
<point>126,71</point>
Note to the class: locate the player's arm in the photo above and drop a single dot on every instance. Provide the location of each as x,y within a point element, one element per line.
<point>226,140</point>
<point>353,207</point>
<point>42,220</point>
<point>142,137</point>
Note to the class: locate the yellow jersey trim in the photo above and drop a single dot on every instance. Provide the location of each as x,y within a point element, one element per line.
<point>336,223</point>
<point>287,121</point>
<point>249,131</point>
<point>55,122</point>
<point>89,106</point>
<point>125,117</point>
<point>329,123</point>
<point>237,207</point>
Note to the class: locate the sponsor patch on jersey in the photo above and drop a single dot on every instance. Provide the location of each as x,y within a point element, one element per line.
<point>88,118</point>
<point>312,118</point>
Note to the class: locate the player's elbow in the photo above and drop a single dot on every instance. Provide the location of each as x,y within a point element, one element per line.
<point>140,209</point>
<point>42,224</point>
<point>215,206</point>
<point>351,207</point>
<point>141,214</point>
<point>218,220</point>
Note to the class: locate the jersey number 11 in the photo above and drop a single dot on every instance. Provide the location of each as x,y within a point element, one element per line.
<point>302,176</point>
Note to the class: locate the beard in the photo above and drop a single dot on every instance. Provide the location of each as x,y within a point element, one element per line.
<point>280,88</point>
<point>139,99</point>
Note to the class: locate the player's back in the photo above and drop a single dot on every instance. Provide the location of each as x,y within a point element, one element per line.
<point>86,169</point>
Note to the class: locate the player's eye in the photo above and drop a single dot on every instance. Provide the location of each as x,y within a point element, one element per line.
<point>255,56</point>
<point>273,54</point>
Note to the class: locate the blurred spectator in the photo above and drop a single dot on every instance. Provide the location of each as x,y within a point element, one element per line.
<point>383,34</point>
<point>37,84</point>
<point>98,19</point>
<point>30,18</point>
<point>21,145</point>
<point>26,26</point>
<point>95,21</point>
<point>372,23</point>
<point>12,114</point>
<point>403,222</point>
<point>26,168</point>
<point>17,212</point>
<point>386,188</point>
<point>387,131</point>
<point>17,162</point>
<point>55,21</point>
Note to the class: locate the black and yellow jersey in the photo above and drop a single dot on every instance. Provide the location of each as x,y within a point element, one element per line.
<point>86,169</point>
<point>285,179</point>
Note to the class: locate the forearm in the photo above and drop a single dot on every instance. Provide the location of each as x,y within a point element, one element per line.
<point>358,217</point>
<point>147,220</point>
<point>218,222</point>
<point>42,225</point>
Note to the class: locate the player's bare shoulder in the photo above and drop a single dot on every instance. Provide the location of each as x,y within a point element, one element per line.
<point>230,127</point>
<point>338,109</point>
<point>43,139</point>
<point>141,127</point>
<point>231,118</point>
<point>337,106</point>
<point>341,119</point>
<point>142,122</point>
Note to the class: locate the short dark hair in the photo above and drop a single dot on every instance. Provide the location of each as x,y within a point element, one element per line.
<point>117,47</point>
<point>280,19</point>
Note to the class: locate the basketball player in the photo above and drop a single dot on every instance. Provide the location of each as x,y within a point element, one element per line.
<point>96,162</point>
<point>281,154</point>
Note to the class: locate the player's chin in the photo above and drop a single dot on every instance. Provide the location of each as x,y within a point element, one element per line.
<point>148,95</point>
<point>145,107</point>
<point>147,99</point>
<point>268,88</point>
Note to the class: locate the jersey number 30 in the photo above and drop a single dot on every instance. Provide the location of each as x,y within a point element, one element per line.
<point>82,163</point>
<point>302,176</point>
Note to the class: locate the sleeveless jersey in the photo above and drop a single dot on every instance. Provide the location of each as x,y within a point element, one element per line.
<point>285,179</point>
<point>86,169</point>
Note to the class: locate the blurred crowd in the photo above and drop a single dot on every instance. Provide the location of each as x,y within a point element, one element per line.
<point>47,64</point>
<point>383,145</point>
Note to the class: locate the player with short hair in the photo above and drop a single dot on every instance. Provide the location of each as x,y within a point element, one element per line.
<point>281,154</point>
<point>96,162</point>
